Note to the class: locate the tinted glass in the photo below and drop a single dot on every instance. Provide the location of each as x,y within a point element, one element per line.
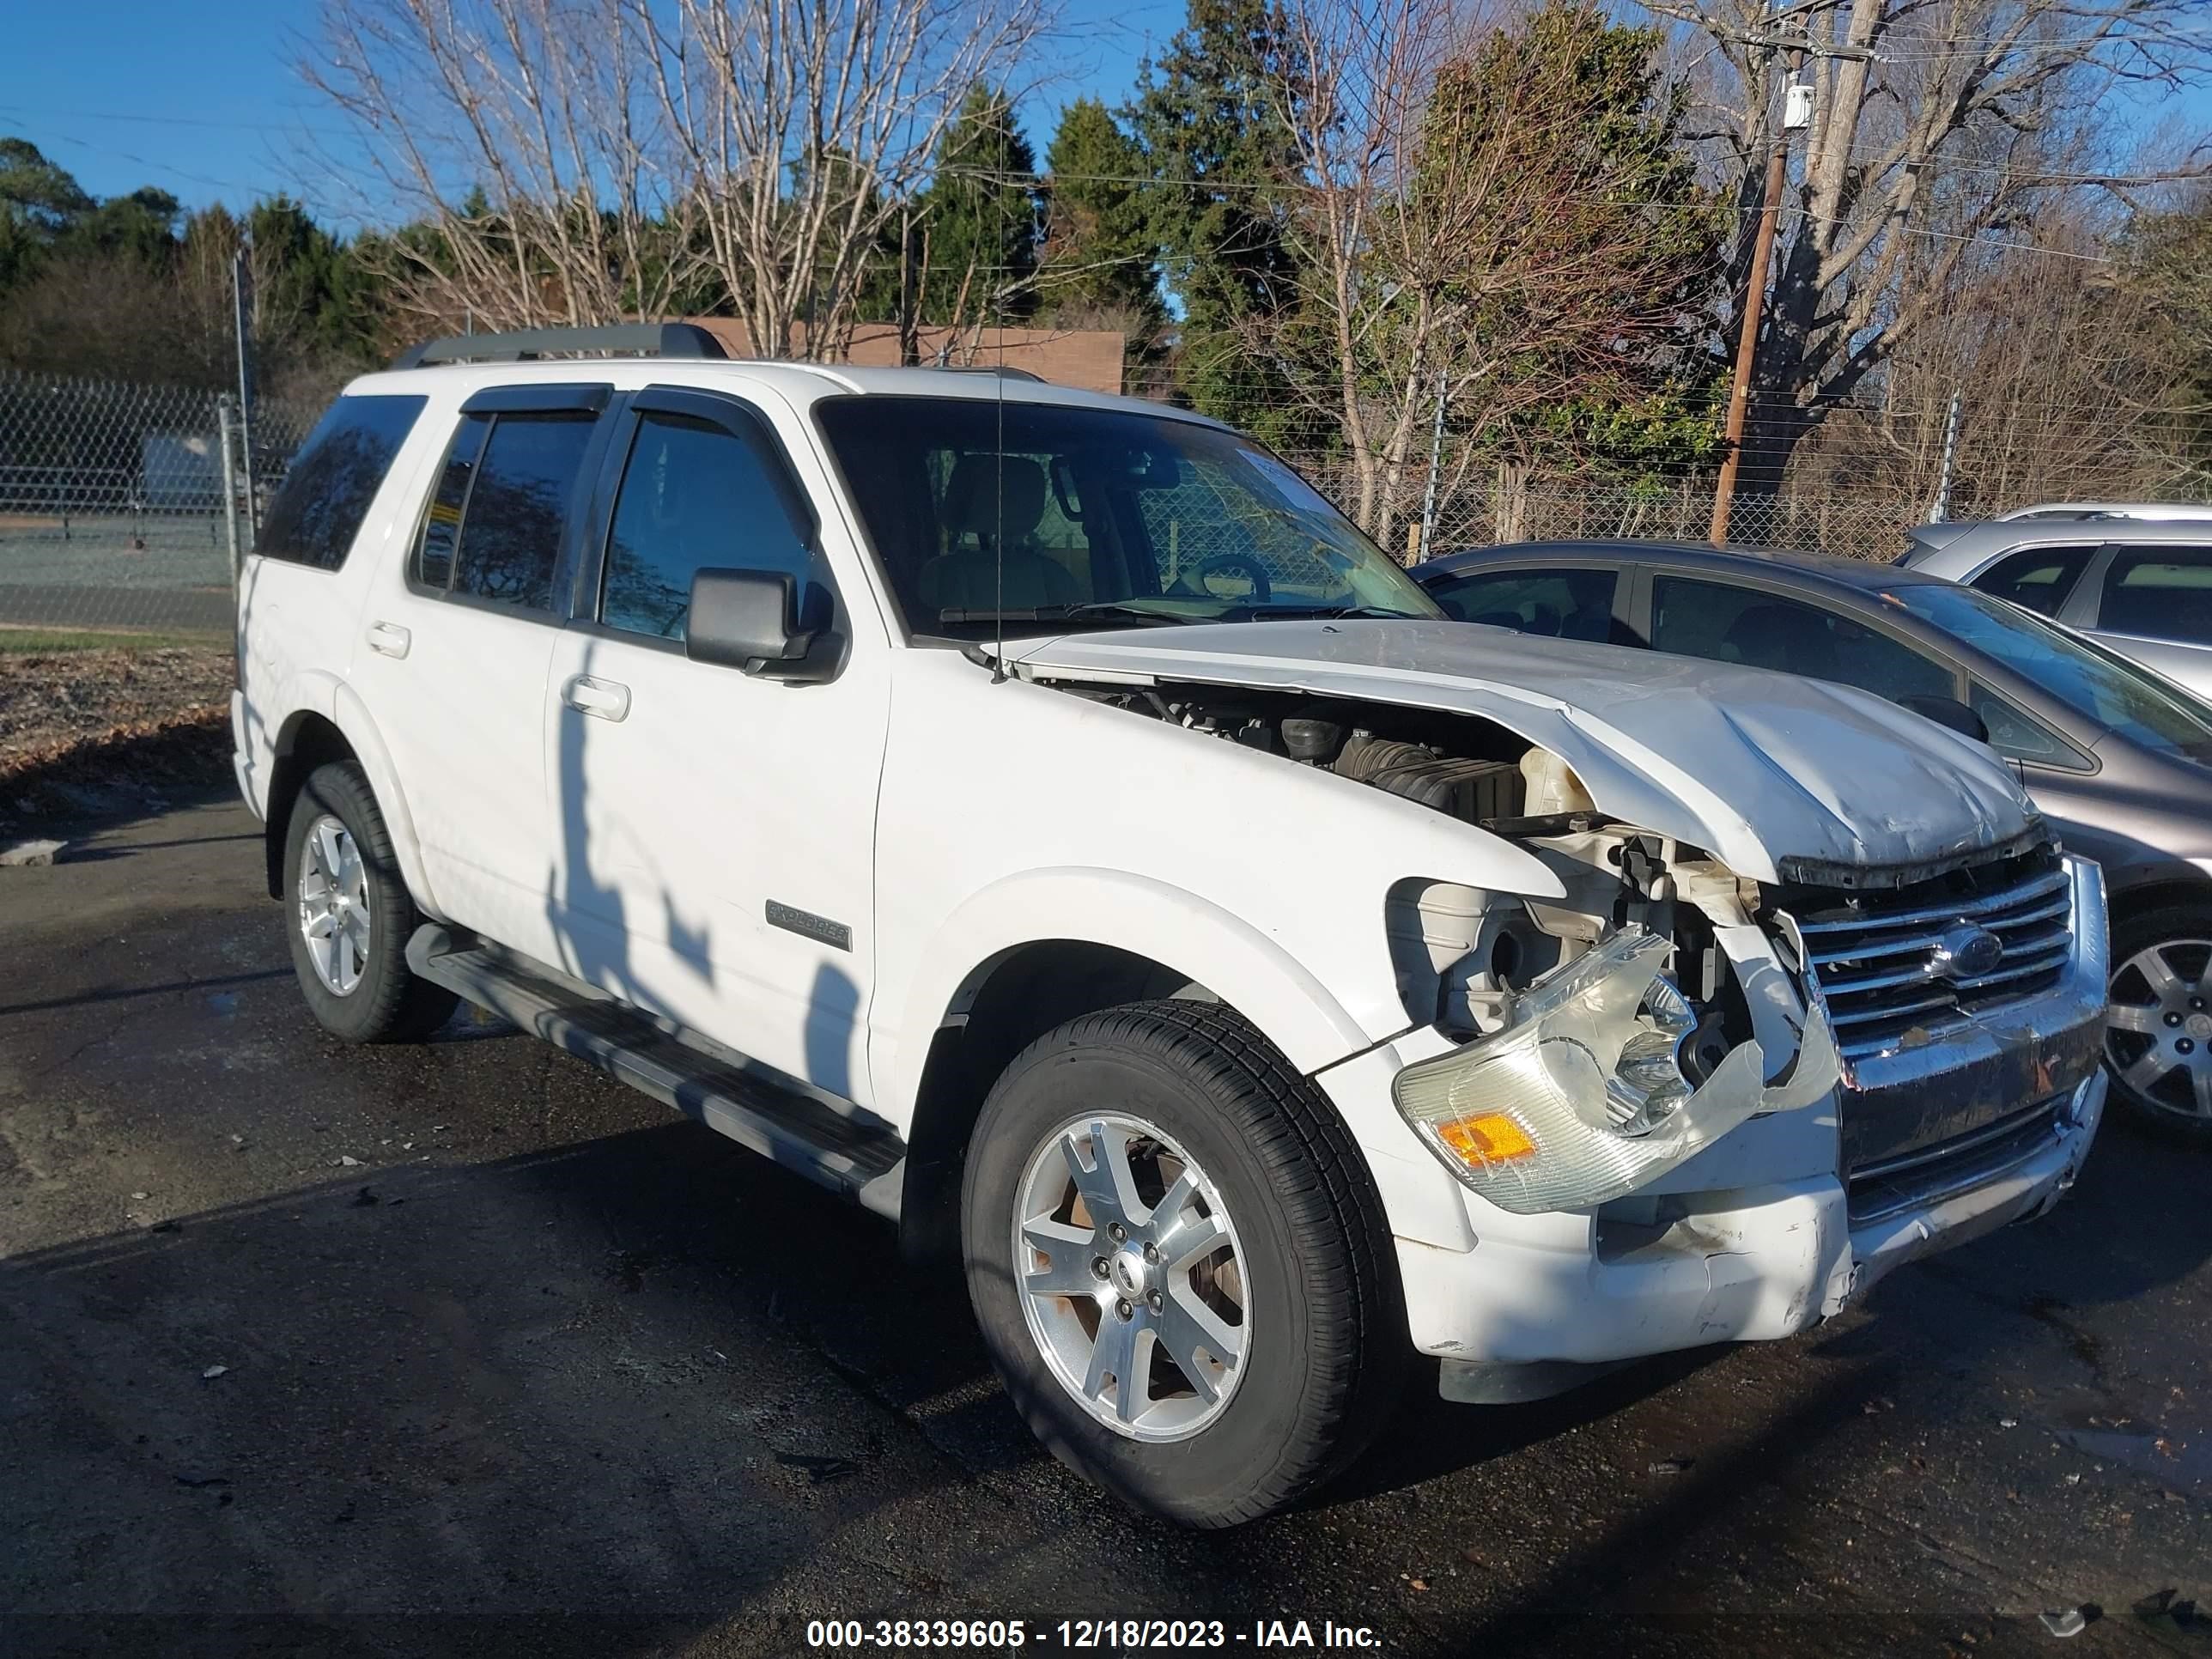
<point>1089,516</point>
<point>442,526</point>
<point>2020,737</point>
<point>2040,578</point>
<point>518,508</point>
<point>693,495</point>
<point>2159,594</point>
<point>1568,605</point>
<point>316,511</point>
<point>2101,686</point>
<point>1728,623</point>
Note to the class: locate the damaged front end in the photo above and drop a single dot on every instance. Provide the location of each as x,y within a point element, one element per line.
<point>1729,1040</point>
<point>1586,1093</point>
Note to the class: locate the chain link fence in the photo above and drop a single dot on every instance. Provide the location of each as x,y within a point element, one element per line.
<point>118,510</point>
<point>121,504</point>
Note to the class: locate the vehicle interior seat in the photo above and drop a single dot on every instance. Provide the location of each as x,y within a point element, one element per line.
<point>992,508</point>
<point>1785,637</point>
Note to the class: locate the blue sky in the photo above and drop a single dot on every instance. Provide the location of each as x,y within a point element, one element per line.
<point>201,99</point>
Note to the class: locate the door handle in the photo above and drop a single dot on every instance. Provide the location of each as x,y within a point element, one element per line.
<point>601,699</point>
<point>389,639</point>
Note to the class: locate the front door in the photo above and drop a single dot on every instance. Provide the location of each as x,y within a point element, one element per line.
<point>712,832</point>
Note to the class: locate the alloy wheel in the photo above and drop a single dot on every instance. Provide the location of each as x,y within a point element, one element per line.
<point>2158,1030</point>
<point>1131,1277</point>
<point>333,899</point>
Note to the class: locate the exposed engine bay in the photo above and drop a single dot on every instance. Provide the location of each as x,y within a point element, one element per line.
<point>1462,954</point>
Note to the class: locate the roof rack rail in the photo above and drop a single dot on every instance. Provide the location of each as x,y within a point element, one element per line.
<point>632,339</point>
<point>1004,372</point>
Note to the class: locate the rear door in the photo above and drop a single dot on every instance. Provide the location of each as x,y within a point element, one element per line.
<point>457,636</point>
<point>2153,601</point>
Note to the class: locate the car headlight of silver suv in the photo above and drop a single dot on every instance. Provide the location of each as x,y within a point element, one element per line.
<point>1581,1097</point>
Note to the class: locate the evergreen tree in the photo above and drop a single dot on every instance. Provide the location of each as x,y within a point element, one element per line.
<point>1098,259</point>
<point>1208,119</point>
<point>979,218</point>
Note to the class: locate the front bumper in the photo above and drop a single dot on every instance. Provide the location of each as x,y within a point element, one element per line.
<point>1747,1266</point>
<point>1777,1226</point>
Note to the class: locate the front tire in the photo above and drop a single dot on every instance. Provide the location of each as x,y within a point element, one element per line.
<point>350,915</point>
<point>2158,1033</point>
<point>1179,1263</point>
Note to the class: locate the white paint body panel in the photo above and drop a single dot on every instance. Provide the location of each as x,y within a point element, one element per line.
<point>946,815</point>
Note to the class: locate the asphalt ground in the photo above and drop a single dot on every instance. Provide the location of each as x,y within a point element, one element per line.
<point>512,1360</point>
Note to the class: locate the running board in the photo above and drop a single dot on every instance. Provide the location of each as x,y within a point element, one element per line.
<point>858,1160</point>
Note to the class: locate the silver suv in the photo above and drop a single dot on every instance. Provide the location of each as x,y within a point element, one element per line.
<point>2142,584</point>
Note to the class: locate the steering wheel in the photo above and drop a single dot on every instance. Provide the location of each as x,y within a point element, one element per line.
<point>1243,564</point>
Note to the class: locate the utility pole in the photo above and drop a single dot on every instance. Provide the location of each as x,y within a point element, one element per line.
<point>1942,509</point>
<point>240,281</point>
<point>1436,463</point>
<point>1796,113</point>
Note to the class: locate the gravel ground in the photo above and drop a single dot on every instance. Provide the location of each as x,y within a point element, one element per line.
<point>80,727</point>
<point>463,1348</point>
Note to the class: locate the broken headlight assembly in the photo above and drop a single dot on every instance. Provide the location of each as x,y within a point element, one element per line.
<point>1581,1097</point>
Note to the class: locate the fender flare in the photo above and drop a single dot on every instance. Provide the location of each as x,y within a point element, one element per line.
<point>1138,913</point>
<point>337,701</point>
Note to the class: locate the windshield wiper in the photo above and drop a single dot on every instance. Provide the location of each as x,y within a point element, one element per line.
<point>1328,612</point>
<point>1103,608</point>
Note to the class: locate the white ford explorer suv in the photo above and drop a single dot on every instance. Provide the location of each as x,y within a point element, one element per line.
<point>1040,816</point>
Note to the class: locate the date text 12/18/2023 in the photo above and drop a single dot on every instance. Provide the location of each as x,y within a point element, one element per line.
<point>1089,1635</point>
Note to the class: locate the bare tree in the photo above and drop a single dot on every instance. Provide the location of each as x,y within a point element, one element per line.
<point>1941,128</point>
<point>581,160</point>
<point>1499,204</point>
<point>519,138</point>
<point>802,128</point>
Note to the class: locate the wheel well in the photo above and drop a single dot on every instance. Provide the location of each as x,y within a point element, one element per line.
<point>307,742</point>
<point>1006,1005</point>
<point>2159,895</point>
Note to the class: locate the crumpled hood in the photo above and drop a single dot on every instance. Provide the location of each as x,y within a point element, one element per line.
<point>1754,767</point>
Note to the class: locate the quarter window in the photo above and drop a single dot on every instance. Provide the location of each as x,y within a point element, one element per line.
<point>2159,594</point>
<point>2020,737</point>
<point>2038,578</point>
<point>1726,623</point>
<point>693,497</point>
<point>318,510</point>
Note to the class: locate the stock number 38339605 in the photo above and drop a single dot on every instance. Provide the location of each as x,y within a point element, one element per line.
<point>998,1635</point>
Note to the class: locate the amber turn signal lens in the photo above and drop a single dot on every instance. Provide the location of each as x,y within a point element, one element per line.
<point>1486,1137</point>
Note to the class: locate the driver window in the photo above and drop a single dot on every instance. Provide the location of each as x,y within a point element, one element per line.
<point>693,496</point>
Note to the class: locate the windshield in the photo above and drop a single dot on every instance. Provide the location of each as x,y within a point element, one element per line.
<point>2103,688</point>
<point>1014,516</point>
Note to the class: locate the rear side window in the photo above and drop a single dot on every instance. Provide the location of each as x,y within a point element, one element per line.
<point>1568,605</point>
<point>2038,578</point>
<point>496,522</point>
<point>2159,594</point>
<point>693,497</point>
<point>318,511</point>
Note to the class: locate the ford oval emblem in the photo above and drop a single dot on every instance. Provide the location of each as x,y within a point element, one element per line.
<point>1965,952</point>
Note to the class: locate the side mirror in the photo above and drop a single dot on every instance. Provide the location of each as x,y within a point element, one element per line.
<point>1947,712</point>
<point>747,620</point>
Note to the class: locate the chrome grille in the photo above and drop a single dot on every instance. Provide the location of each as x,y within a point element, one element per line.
<point>1887,963</point>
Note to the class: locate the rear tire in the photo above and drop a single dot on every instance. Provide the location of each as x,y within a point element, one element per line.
<point>2158,1034</point>
<point>349,915</point>
<point>1240,1217</point>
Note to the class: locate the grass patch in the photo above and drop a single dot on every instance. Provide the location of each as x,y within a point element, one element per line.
<point>54,642</point>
